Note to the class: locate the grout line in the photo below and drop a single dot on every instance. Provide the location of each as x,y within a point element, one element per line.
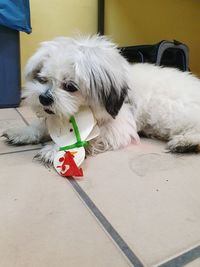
<point>183,259</point>
<point>22,117</point>
<point>18,151</point>
<point>106,225</point>
<point>178,261</point>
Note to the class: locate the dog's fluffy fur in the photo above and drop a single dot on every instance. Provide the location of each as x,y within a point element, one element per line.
<point>125,99</point>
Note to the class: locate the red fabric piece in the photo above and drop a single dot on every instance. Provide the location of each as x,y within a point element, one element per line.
<point>69,167</point>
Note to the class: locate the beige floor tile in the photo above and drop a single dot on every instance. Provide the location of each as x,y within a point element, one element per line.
<point>152,198</point>
<point>8,114</point>
<point>5,148</point>
<point>195,263</point>
<point>44,223</point>
<point>27,113</point>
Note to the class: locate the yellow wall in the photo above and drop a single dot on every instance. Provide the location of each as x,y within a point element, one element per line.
<point>132,22</point>
<point>51,18</point>
<point>128,22</point>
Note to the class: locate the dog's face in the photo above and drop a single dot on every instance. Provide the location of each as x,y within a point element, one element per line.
<point>66,73</point>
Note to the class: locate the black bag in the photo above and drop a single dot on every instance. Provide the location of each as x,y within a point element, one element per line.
<point>166,53</point>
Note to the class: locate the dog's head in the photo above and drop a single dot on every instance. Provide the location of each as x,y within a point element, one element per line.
<point>66,73</point>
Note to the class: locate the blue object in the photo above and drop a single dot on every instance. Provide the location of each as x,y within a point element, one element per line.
<point>15,14</point>
<point>9,68</point>
<point>14,17</point>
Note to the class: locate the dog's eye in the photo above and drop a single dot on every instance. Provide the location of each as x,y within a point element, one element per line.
<point>42,80</point>
<point>69,87</point>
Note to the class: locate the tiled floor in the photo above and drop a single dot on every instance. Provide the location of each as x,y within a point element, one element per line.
<point>136,207</point>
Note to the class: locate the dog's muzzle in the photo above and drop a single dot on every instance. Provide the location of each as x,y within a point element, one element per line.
<point>46,99</point>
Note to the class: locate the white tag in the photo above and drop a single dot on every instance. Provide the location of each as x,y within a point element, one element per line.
<point>62,132</point>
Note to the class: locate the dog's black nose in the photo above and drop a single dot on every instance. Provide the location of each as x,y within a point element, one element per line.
<point>46,99</point>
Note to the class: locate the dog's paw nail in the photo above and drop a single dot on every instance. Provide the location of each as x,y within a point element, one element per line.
<point>42,160</point>
<point>4,135</point>
<point>48,164</point>
<point>37,157</point>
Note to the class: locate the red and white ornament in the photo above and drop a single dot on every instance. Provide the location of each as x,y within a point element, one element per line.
<point>62,133</point>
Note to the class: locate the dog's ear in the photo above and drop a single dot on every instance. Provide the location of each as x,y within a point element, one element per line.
<point>33,65</point>
<point>114,101</point>
<point>36,61</point>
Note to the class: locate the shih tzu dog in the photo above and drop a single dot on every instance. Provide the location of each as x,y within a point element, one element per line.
<point>67,73</point>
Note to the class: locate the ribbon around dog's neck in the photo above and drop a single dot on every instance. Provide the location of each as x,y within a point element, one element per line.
<point>79,142</point>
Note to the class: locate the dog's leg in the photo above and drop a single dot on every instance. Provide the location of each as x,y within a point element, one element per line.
<point>98,145</point>
<point>115,134</point>
<point>184,143</point>
<point>32,134</point>
<point>46,154</point>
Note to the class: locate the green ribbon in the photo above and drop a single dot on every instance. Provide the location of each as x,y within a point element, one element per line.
<point>79,142</point>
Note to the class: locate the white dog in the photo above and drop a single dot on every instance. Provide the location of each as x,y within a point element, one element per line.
<point>66,73</point>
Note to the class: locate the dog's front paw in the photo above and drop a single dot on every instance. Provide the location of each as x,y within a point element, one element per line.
<point>20,136</point>
<point>46,154</point>
<point>97,146</point>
